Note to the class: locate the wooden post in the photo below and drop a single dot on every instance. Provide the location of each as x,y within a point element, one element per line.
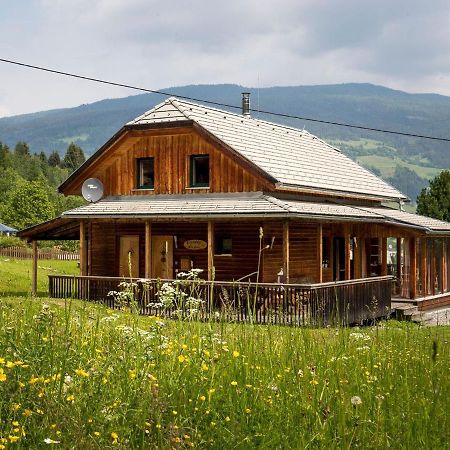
<point>83,258</point>
<point>34,269</point>
<point>286,251</point>
<point>210,250</point>
<point>433,267</point>
<point>148,249</point>
<point>423,262</point>
<point>399,265</point>
<point>347,253</point>
<point>383,256</point>
<point>412,268</point>
<point>443,267</point>
<point>320,252</point>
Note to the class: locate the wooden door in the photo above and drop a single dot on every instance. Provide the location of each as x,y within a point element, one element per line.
<point>162,257</point>
<point>129,256</point>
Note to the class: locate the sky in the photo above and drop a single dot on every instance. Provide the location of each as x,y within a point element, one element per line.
<point>158,44</point>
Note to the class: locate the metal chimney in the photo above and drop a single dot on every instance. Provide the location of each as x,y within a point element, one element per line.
<point>246,104</point>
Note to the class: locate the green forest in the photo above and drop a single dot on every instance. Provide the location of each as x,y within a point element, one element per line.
<point>29,181</point>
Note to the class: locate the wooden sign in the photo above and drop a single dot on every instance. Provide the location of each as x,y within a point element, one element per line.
<point>195,244</point>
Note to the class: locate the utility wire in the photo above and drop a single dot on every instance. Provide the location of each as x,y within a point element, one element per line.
<point>210,102</point>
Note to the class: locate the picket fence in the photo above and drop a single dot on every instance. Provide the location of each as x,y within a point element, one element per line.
<point>43,253</point>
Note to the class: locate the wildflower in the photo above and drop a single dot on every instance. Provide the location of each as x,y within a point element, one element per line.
<point>114,437</point>
<point>2,375</point>
<point>10,365</point>
<point>314,382</point>
<point>356,401</point>
<point>181,358</point>
<point>227,419</point>
<point>97,433</point>
<point>234,383</point>
<point>236,354</point>
<point>132,374</point>
<point>204,367</point>
<point>15,423</point>
<point>174,413</point>
<point>81,373</point>
<point>70,398</point>
<point>13,439</point>
<point>202,398</point>
<point>248,410</point>
<point>51,441</point>
<point>27,413</point>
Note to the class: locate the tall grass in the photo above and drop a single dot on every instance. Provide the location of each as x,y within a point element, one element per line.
<point>76,375</point>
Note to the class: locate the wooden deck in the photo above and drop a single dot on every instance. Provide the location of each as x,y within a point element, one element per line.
<point>344,302</point>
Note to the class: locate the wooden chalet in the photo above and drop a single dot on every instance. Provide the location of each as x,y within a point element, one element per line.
<point>190,186</point>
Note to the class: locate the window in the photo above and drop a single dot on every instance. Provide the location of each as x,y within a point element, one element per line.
<point>224,245</point>
<point>145,173</point>
<point>199,170</point>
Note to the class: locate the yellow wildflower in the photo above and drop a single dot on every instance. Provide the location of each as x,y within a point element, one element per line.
<point>27,413</point>
<point>10,365</point>
<point>114,437</point>
<point>13,439</point>
<point>174,413</point>
<point>181,358</point>
<point>96,433</point>
<point>2,361</point>
<point>34,380</point>
<point>2,375</point>
<point>202,398</point>
<point>132,374</point>
<point>227,419</point>
<point>205,367</point>
<point>81,373</point>
<point>234,383</point>
<point>15,423</point>
<point>248,410</point>
<point>235,354</point>
<point>70,398</point>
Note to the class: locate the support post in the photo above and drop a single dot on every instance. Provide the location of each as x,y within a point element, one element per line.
<point>443,267</point>
<point>320,252</point>
<point>34,269</point>
<point>83,259</point>
<point>412,268</point>
<point>210,250</point>
<point>383,256</point>
<point>399,265</point>
<point>286,251</point>
<point>347,254</point>
<point>423,262</point>
<point>148,249</point>
<point>433,266</point>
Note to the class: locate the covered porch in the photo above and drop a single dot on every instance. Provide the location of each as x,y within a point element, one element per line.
<point>258,239</point>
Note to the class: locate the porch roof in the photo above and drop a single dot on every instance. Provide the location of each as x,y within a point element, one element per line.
<point>256,205</point>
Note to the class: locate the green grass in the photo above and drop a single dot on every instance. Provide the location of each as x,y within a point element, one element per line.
<point>89,377</point>
<point>15,275</point>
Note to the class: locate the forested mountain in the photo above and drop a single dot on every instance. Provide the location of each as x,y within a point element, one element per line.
<point>406,162</point>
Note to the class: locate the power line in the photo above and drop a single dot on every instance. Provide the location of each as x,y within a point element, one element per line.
<point>210,102</point>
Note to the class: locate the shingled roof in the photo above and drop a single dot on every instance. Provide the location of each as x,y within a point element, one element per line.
<point>293,157</point>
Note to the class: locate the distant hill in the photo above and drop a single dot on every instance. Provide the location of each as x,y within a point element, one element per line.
<point>361,104</point>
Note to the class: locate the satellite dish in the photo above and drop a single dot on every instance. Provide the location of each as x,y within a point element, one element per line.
<point>92,190</point>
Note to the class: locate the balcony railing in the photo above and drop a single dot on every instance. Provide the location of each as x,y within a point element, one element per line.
<point>345,302</point>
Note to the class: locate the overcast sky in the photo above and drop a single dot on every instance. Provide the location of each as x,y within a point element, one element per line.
<point>403,44</point>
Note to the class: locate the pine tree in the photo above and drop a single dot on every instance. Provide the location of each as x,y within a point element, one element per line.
<point>54,159</point>
<point>434,201</point>
<point>74,157</point>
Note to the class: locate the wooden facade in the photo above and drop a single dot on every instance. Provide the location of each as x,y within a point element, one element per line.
<point>259,249</point>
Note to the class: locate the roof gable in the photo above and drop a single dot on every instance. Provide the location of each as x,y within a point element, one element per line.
<point>294,157</point>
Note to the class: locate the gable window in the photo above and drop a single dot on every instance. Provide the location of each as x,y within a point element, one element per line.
<point>145,173</point>
<point>199,170</point>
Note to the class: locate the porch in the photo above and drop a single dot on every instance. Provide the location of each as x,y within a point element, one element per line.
<point>344,302</point>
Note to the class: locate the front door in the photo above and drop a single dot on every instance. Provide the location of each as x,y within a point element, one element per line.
<point>162,257</point>
<point>129,256</point>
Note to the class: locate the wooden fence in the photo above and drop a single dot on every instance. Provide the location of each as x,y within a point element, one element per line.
<point>344,302</point>
<point>44,253</point>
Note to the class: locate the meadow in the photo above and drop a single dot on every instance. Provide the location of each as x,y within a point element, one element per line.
<point>77,375</point>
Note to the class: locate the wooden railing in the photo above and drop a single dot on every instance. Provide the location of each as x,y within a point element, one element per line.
<point>44,253</point>
<point>345,302</point>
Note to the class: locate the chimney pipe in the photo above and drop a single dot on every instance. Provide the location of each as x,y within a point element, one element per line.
<point>246,104</point>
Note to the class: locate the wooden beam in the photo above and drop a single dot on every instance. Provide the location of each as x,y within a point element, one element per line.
<point>423,262</point>
<point>357,258</point>
<point>34,269</point>
<point>148,249</point>
<point>412,268</point>
<point>443,267</point>
<point>433,267</point>
<point>347,253</point>
<point>286,251</point>
<point>320,252</point>
<point>399,265</point>
<point>210,250</point>
<point>83,259</point>
<point>383,256</point>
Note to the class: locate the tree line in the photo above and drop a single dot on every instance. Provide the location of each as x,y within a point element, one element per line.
<point>29,181</point>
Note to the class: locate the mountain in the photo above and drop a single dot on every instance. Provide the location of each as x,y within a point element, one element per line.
<point>389,155</point>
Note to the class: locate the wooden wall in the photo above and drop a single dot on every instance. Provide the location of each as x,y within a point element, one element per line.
<point>171,149</point>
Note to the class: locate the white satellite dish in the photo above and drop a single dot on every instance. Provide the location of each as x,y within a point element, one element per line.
<point>92,190</point>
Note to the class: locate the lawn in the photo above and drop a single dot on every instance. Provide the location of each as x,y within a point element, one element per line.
<point>77,375</point>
